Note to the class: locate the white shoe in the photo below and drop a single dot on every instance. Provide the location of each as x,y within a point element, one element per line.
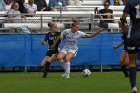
<point>134,90</point>
<point>67,77</point>
<point>63,75</point>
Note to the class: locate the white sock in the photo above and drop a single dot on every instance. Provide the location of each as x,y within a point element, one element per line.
<point>67,68</point>
<point>62,64</point>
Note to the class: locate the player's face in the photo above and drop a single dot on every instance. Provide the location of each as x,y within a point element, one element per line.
<point>76,28</point>
<point>54,28</point>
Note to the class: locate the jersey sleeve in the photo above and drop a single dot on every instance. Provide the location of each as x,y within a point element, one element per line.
<point>82,34</point>
<point>64,32</point>
<point>126,9</point>
<point>45,38</point>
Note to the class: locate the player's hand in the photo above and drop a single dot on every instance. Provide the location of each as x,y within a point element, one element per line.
<point>43,42</point>
<point>123,26</point>
<point>115,47</point>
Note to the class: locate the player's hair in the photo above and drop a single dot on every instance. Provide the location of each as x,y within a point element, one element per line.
<point>50,24</point>
<point>74,19</point>
<point>74,24</point>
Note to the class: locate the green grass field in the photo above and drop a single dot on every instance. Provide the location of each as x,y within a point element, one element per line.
<point>106,82</point>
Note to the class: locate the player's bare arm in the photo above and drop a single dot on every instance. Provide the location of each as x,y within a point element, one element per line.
<point>93,34</point>
<point>122,22</point>
<point>119,45</point>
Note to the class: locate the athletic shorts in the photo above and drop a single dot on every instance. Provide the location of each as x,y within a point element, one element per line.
<point>66,51</point>
<point>52,52</point>
<point>133,45</point>
<point>125,48</point>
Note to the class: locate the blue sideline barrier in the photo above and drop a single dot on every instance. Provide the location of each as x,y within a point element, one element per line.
<point>26,50</point>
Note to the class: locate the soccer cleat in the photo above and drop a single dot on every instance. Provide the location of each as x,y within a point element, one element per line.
<point>67,77</point>
<point>134,90</point>
<point>63,75</point>
<point>45,74</point>
<point>126,76</point>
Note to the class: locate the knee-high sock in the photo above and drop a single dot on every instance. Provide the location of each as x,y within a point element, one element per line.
<point>62,64</point>
<point>132,76</point>
<point>67,68</point>
<point>47,67</point>
<point>124,69</point>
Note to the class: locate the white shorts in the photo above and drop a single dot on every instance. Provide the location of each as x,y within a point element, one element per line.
<point>66,51</point>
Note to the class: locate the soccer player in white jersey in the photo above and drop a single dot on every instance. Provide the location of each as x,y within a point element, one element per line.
<point>70,48</point>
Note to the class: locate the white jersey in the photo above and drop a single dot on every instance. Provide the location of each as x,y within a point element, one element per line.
<point>71,39</point>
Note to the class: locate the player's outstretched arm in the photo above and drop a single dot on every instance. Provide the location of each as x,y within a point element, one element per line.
<point>94,33</point>
<point>119,45</point>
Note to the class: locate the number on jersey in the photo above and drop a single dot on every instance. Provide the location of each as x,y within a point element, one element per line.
<point>137,11</point>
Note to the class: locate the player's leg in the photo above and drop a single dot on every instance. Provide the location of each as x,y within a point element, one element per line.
<point>127,60</point>
<point>48,62</point>
<point>62,63</point>
<point>60,57</point>
<point>132,47</point>
<point>122,63</point>
<point>132,71</point>
<point>61,60</point>
<point>43,63</point>
<point>68,58</point>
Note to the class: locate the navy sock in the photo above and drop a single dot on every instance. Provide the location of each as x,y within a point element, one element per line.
<point>132,76</point>
<point>124,69</point>
<point>46,70</point>
<point>47,66</point>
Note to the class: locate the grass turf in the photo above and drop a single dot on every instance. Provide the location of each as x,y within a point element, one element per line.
<point>106,82</point>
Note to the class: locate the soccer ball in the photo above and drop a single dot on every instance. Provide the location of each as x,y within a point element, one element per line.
<point>86,73</point>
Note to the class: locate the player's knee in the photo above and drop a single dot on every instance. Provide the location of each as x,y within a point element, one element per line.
<point>67,59</point>
<point>59,58</point>
<point>42,65</point>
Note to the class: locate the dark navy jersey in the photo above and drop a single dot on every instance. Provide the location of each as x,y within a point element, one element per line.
<point>133,9</point>
<point>51,38</point>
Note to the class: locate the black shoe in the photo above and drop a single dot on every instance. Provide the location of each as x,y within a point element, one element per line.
<point>44,75</point>
<point>126,76</point>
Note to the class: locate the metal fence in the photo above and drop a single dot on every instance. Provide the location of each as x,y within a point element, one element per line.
<point>38,23</point>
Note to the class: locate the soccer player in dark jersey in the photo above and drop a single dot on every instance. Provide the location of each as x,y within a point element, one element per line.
<point>50,37</point>
<point>132,8</point>
<point>124,60</point>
